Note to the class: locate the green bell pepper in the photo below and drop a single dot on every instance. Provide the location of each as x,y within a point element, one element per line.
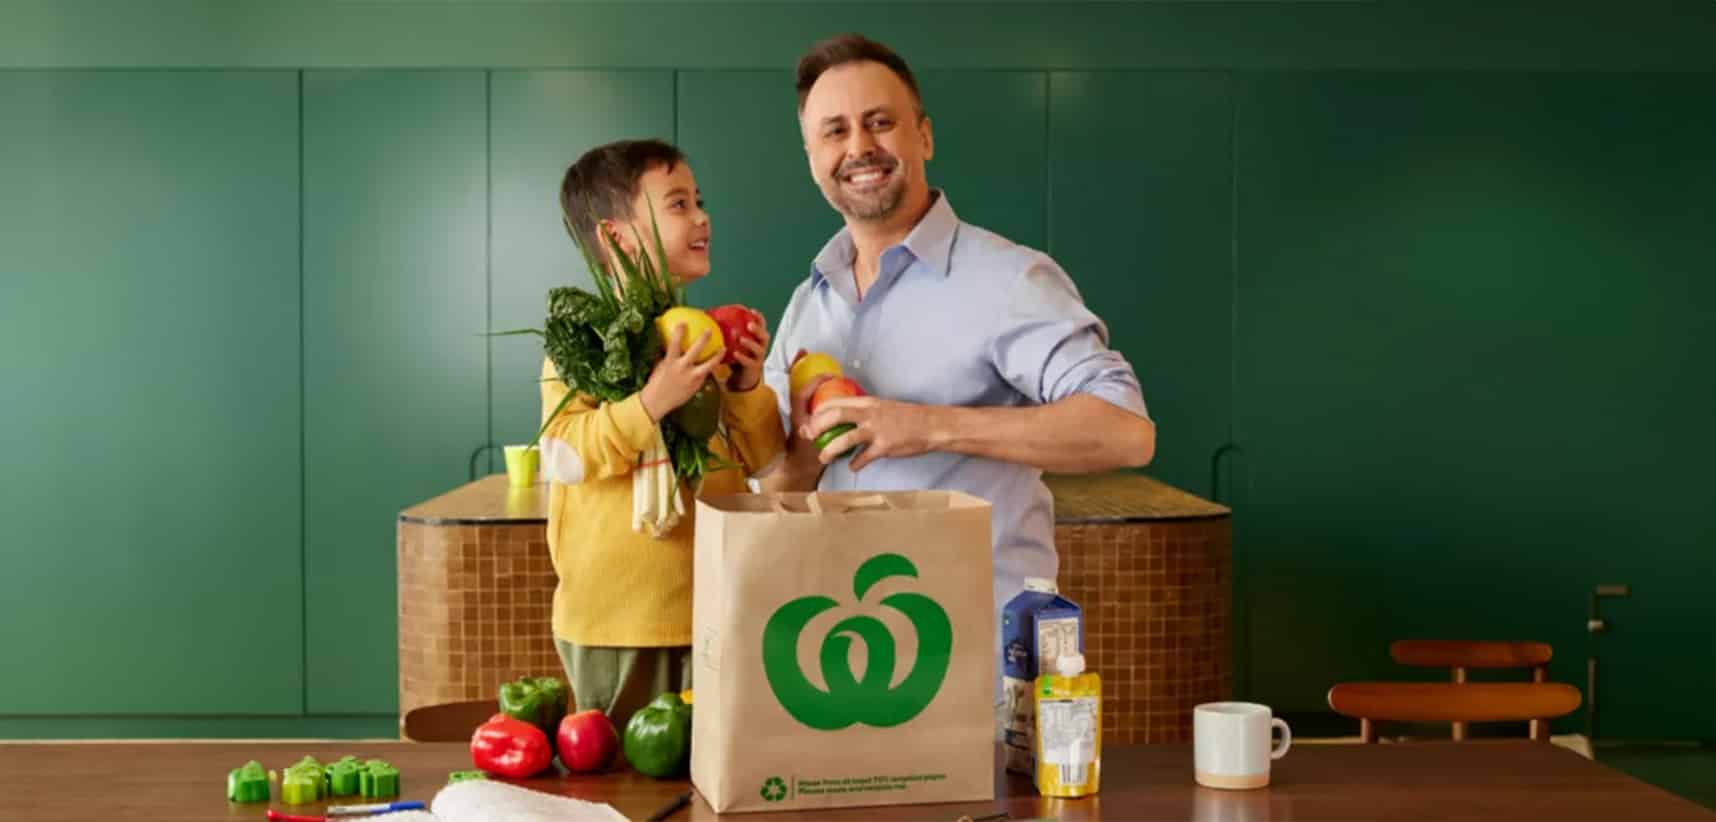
<point>379,780</point>
<point>658,738</point>
<point>302,783</point>
<point>700,416</point>
<point>342,777</point>
<point>539,700</point>
<point>248,783</point>
<point>456,777</point>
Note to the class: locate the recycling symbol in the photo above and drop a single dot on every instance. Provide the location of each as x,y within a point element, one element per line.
<point>774,790</point>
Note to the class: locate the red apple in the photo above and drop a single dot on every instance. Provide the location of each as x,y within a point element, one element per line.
<point>835,388</point>
<point>735,321</point>
<point>586,741</point>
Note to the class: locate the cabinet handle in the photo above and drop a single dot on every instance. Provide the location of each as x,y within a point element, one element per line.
<point>1215,468</point>
<point>477,453</point>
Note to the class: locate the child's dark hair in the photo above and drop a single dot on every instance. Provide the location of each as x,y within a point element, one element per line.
<point>603,183</point>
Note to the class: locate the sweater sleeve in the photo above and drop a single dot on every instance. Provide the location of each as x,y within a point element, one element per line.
<point>589,440</point>
<point>754,423</point>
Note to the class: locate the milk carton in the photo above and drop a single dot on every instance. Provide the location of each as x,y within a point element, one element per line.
<point>1037,627</point>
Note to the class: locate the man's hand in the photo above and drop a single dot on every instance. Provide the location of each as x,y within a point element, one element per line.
<point>1079,434</point>
<point>801,453</point>
<point>677,376</point>
<point>748,360</point>
<point>885,428</point>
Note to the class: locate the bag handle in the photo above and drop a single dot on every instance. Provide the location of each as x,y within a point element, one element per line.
<point>824,504</point>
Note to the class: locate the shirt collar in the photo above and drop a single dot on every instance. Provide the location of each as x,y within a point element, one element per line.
<point>930,242</point>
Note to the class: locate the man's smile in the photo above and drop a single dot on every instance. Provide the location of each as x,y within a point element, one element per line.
<point>868,177</point>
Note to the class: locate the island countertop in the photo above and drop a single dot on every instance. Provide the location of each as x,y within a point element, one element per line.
<point>1081,499</point>
<point>1149,564</point>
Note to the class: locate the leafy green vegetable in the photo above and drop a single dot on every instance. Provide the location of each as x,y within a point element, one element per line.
<point>604,343</point>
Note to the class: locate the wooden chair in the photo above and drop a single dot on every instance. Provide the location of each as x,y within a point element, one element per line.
<point>1460,656</point>
<point>447,722</point>
<point>1460,702</point>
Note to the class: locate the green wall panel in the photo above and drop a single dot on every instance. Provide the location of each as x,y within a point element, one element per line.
<point>395,308</point>
<point>246,726</point>
<point>149,344</point>
<point>769,217</point>
<point>1144,34</point>
<point>1472,382</point>
<point>540,122</point>
<point>991,148</point>
<point>1140,191</point>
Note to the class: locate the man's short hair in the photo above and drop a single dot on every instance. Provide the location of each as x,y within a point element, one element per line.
<point>852,48</point>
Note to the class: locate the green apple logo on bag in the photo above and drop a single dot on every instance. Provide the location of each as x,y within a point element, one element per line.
<point>848,700</point>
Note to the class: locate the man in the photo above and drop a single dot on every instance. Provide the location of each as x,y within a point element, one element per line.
<point>984,366</point>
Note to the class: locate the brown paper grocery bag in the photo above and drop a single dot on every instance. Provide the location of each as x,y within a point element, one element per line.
<point>843,650</point>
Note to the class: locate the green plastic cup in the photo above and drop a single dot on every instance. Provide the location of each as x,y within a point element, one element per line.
<point>521,465</point>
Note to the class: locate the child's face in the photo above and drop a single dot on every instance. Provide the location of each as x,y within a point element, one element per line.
<point>680,217</point>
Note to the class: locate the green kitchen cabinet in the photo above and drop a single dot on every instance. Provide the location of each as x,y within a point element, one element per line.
<point>1140,215</point>
<point>149,341</point>
<point>1290,35</point>
<point>767,215</point>
<point>395,377</point>
<point>991,148</point>
<point>539,124</point>
<point>1472,377</point>
<point>770,219</point>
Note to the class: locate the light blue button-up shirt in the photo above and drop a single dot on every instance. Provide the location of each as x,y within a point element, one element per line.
<point>958,316</point>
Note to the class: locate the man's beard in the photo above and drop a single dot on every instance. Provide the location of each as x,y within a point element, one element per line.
<point>877,204</point>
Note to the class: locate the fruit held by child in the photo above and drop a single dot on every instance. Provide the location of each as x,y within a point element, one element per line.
<point>735,322</point>
<point>696,322</point>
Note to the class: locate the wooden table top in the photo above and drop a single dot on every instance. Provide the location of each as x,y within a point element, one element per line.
<point>1479,781</point>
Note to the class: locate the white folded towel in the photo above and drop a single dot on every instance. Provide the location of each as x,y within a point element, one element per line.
<point>486,801</point>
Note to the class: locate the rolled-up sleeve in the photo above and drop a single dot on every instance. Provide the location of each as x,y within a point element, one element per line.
<point>1050,346</point>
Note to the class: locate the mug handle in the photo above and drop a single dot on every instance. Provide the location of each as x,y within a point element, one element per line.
<point>1286,739</point>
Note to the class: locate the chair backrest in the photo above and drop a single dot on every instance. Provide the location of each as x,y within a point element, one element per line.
<point>1460,701</point>
<point>1535,702</point>
<point>447,722</point>
<point>1460,656</point>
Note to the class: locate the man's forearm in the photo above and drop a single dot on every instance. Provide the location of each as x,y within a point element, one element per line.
<point>796,470</point>
<point>1080,434</point>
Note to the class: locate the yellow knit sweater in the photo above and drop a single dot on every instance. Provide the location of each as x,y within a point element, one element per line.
<point>618,587</point>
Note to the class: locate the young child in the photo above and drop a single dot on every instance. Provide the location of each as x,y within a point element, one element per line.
<point>622,608</point>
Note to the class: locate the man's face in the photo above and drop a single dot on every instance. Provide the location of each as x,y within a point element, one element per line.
<point>865,142</point>
<point>679,215</point>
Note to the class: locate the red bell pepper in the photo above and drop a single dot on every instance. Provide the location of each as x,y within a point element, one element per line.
<point>509,747</point>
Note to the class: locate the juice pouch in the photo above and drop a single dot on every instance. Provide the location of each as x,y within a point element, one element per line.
<point>1069,730</point>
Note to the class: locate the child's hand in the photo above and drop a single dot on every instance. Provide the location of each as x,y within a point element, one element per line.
<point>677,376</point>
<point>748,360</point>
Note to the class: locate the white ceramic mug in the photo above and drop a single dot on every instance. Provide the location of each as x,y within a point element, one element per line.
<point>1231,745</point>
